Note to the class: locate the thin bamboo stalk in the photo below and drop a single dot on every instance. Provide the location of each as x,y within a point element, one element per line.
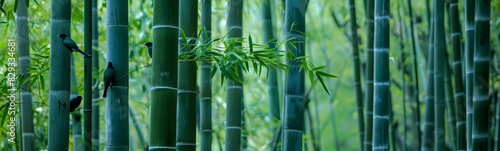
<point>95,63</point>
<point>450,107</point>
<point>416,89</point>
<point>87,84</point>
<point>76,125</point>
<point>357,72</point>
<point>369,77</point>
<point>469,67</point>
<point>427,135</point>
<point>23,44</point>
<point>138,128</point>
<point>206,81</point>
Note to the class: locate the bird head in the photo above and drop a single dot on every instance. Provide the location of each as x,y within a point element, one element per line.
<point>62,36</point>
<point>79,97</point>
<point>110,64</point>
<point>149,44</point>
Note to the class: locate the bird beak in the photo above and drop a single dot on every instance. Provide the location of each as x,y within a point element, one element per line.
<point>58,35</point>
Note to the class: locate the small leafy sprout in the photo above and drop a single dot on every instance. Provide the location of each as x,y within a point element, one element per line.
<point>229,55</point>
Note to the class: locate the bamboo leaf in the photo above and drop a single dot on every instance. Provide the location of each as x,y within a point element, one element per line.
<point>326,74</point>
<point>236,56</point>
<point>318,68</point>
<point>323,84</point>
<point>184,39</point>
<point>4,107</point>
<point>42,82</point>
<point>250,43</point>
<point>15,7</point>
<point>311,78</point>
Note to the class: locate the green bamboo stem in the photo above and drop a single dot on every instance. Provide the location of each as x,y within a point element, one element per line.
<point>450,106</point>
<point>381,76</point>
<point>95,64</point>
<point>77,131</point>
<point>427,135</point>
<point>293,114</point>
<point>206,81</point>
<point>163,108</point>
<point>481,104</point>
<point>469,67</point>
<point>369,77</point>
<point>87,84</point>
<point>415,93</point>
<point>76,125</point>
<point>23,57</point>
<point>439,101</point>
<point>186,95</point>
<point>272,80</point>
<point>117,51</point>
<point>234,97</point>
<point>404,86</point>
<point>497,125</point>
<point>138,128</point>
<point>357,72</point>
<point>458,79</point>
<point>59,94</point>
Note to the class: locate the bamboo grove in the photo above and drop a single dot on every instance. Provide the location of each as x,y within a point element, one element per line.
<point>250,75</point>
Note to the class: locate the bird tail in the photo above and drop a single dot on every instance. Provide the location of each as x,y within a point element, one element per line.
<point>84,54</point>
<point>105,91</point>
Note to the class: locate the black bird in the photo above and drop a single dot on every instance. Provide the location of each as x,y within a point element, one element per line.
<point>71,45</point>
<point>150,48</point>
<point>74,103</point>
<point>109,76</point>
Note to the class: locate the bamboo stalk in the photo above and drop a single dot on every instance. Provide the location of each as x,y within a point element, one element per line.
<point>270,40</point>
<point>293,114</point>
<point>95,91</point>
<point>469,67</point>
<point>357,72</point>
<point>163,108</point>
<point>234,93</point>
<point>416,89</point>
<point>138,129</point>
<point>458,79</point>
<point>186,96</point>
<point>439,101</point>
<point>76,125</point>
<point>117,52</point>
<point>369,77</point>
<point>480,100</point>
<point>87,84</point>
<point>206,81</point>
<point>59,76</point>
<point>23,44</point>
<point>381,76</point>
<point>427,135</point>
<point>450,106</point>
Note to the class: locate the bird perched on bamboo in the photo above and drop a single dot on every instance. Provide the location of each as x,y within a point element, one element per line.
<point>109,77</point>
<point>150,48</point>
<point>74,103</point>
<point>71,45</point>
